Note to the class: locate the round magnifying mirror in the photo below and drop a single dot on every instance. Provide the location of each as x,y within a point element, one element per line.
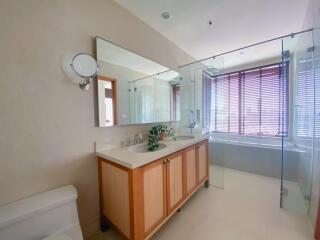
<point>84,65</point>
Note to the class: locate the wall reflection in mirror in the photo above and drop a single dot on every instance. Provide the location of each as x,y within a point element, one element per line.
<point>133,89</point>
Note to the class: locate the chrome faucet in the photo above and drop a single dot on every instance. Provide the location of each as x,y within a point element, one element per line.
<point>192,126</point>
<point>138,138</point>
<point>193,123</point>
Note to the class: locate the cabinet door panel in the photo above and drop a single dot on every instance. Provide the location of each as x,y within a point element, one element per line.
<point>191,169</point>
<point>175,180</point>
<point>115,202</point>
<point>202,154</point>
<point>154,189</point>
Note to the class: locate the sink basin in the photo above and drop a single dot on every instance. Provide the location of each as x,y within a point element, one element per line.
<point>181,138</point>
<point>143,148</point>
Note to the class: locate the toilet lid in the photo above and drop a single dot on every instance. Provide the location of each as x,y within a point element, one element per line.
<point>58,237</point>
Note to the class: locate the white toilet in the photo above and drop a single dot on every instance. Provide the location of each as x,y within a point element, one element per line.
<point>50,215</point>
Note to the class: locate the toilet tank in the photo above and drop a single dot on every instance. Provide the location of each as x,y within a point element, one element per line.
<point>42,215</point>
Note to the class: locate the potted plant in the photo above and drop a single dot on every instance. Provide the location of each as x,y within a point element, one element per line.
<point>156,134</point>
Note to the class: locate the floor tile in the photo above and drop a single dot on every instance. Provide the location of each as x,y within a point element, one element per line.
<point>247,208</point>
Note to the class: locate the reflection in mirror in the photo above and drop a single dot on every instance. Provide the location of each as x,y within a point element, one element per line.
<point>133,89</point>
<point>107,95</point>
<point>175,87</point>
<point>155,98</point>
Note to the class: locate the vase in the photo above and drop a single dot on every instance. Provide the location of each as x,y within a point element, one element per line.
<point>162,136</point>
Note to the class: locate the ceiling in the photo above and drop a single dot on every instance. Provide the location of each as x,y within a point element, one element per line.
<point>236,23</point>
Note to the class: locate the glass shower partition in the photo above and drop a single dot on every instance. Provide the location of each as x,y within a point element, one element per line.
<point>198,105</point>
<point>315,189</point>
<point>132,101</point>
<point>142,101</point>
<point>298,139</point>
<point>146,102</point>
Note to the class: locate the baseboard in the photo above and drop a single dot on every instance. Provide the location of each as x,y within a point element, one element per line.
<point>91,228</point>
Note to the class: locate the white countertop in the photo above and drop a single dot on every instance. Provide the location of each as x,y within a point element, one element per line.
<point>123,156</point>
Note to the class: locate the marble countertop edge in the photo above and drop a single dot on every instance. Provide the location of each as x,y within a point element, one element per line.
<point>124,157</point>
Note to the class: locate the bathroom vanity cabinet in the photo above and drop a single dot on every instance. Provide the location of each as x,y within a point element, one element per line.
<point>138,201</point>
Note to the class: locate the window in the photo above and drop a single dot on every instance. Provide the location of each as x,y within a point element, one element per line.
<point>247,102</point>
<point>307,97</point>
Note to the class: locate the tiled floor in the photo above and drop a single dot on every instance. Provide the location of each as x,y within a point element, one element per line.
<point>247,209</point>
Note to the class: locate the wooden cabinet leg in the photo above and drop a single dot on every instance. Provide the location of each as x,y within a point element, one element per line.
<point>207,184</point>
<point>104,224</point>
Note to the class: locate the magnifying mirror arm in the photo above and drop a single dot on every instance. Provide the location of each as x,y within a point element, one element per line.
<point>85,83</point>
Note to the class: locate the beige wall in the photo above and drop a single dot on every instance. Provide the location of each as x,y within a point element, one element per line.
<point>47,125</point>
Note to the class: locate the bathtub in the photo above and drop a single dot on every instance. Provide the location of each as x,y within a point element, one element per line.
<point>257,156</point>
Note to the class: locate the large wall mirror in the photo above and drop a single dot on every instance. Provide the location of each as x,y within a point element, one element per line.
<point>133,89</point>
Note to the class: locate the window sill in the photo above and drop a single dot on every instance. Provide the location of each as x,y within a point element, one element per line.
<point>269,145</point>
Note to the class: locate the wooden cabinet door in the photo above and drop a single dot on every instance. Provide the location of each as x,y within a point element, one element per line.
<point>154,194</point>
<point>175,189</point>
<point>191,169</point>
<point>202,157</point>
<point>114,187</point>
